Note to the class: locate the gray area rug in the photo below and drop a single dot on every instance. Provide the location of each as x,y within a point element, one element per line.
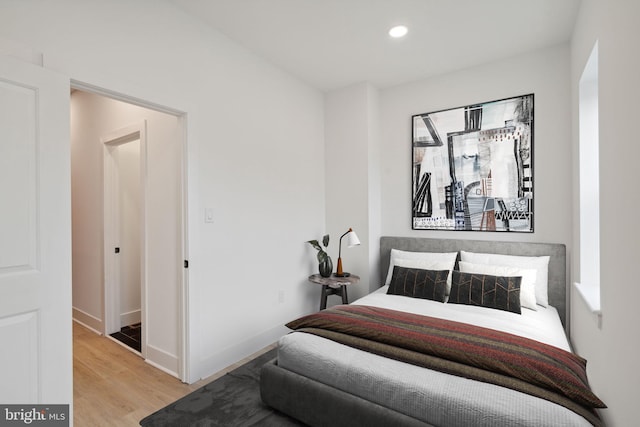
<point>231,400</point>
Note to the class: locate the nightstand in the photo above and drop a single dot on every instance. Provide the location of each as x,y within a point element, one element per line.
<point>333,285</point>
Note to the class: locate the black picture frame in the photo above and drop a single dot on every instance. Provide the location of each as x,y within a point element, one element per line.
<point>472,167</point>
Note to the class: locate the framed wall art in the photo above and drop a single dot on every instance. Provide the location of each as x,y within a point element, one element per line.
<point>473,167</point>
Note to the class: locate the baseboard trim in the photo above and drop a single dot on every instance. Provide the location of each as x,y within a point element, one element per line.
<point>162,360</point>
<point>229,356</point>
<point>88,321</point>
<point>130,318</point>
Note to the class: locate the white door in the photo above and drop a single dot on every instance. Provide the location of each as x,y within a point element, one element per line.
<point>35,236</point>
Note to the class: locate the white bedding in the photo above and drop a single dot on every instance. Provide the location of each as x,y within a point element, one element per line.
<point>436,398</point>
<point>542,325</point>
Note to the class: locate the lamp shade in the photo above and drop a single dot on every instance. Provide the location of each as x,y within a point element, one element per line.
<point>352,239</point>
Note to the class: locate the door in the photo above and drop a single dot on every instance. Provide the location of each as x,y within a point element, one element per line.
<point>35,236</point>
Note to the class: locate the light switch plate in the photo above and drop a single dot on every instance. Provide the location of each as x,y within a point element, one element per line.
<point>208,215</point>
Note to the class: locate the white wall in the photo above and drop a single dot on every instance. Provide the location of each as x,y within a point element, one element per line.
<point>92,118</point>
<point>255,156</point>
<point>353,183</point>
<point>612,349</point>
<point>368,140</point>
<point>544,73</point>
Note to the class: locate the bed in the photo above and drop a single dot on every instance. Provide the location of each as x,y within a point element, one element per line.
<point>327,378</point>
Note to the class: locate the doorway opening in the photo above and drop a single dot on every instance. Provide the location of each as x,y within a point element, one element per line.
<point>124,222</point>
<point>128,223</point>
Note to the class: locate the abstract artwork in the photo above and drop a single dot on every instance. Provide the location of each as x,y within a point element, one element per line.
<point>473,167</point>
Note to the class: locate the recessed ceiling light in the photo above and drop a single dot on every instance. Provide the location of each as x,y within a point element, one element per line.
<point>398,31</point>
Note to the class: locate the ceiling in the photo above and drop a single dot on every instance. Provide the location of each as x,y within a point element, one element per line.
<point>331,44</point>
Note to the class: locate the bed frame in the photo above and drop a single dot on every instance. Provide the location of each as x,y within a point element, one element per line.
<point>317,404</point>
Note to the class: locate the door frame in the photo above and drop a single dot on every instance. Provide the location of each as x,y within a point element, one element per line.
<point>184,355</point>
<point>111,227</point>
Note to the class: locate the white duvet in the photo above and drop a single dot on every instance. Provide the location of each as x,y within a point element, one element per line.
<point>436,398</point>
<point>542,325</point>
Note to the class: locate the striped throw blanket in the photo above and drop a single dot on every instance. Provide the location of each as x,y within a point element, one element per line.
<point>461,349</point>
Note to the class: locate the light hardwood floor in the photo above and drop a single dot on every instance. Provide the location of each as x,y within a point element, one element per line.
<point>112,386</point>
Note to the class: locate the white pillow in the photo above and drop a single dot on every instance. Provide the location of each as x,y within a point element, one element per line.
<point>449,258</point>
<point>538,263</point>
<point>527,284</point>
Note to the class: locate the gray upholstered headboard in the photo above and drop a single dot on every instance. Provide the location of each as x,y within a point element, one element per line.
<point>557,263</point>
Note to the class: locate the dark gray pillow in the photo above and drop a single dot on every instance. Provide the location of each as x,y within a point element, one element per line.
<point>502,293</point>
<point>419,283</point>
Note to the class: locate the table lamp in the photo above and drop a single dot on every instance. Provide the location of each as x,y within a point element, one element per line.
<point>352,240</point>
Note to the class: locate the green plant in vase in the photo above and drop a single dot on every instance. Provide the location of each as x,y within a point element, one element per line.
<point>325,265</point>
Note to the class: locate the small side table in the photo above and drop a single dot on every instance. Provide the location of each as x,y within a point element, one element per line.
<point>333,285</point>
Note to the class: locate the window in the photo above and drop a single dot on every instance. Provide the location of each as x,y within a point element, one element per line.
<point>589,285</point>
